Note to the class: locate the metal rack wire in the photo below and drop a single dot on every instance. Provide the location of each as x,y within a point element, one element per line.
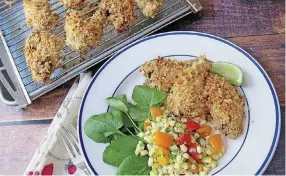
<point>14,31</point>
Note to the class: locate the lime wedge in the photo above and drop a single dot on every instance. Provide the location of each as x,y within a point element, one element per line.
<point>230,71</point>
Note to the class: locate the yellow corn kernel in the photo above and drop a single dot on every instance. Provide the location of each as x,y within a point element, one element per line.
<point>163,160</point>
<point>213,164</point>
<point>207,160</point>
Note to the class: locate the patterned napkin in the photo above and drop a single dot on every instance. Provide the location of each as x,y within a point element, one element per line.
<point>51,157</point>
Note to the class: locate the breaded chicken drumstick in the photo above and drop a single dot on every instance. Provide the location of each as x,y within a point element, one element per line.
<point>118,12</point>
<point>150,8</point>
<point>39,15</point>
<point>81,34</point>
<point>74,4</point>
<point>42,53</point>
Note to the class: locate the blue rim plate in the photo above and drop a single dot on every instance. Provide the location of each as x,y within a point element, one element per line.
<point>252,151</point>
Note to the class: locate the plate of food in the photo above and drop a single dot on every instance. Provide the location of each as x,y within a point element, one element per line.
<point>179,103</point>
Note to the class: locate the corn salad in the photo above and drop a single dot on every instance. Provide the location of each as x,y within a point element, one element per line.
<point>169,155</point>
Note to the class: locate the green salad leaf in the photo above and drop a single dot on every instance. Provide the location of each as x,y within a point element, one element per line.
<point>119,149</point>
<point>105,124</point>
<point>124,118</point>
<point>117,104</point>
<point>120,102</point>
<point>127,122</point>
<point>95,136</point>
<point>115,136</point>
<point>146,96</point>
<point>139,113</point>
<point>141,125</point>
<point>134,165</point>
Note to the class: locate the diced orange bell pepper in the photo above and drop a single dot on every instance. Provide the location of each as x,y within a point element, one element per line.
<point>146,124</point>
<point>216,143</point>
<point>204,130</point>
<point>161,151</point>
<point>163,139</point>
<point>163,160</point>
<point>196,170</point>
<point>156,112</point>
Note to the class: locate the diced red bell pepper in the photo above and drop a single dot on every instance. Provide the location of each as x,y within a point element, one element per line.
<point>192,151</point>
<point>192,125</point>
<point>185,139</point>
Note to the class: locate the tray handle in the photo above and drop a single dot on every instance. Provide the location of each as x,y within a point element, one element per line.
<point>10,77</point>
<point>8,87</point>
<point>195,5</point>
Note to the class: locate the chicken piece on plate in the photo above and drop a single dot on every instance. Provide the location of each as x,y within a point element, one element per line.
<point>226,105</point>
<point>42,52</point>
<point>119,12</point>
<point>162,73</point>
<point>74,4</point>
<point>81,34</point>
<point>150,8</point>
<point>39,15</point>
<point>186,98</point>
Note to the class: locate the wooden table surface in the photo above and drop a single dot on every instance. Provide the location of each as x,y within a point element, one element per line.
<point>255,25</point>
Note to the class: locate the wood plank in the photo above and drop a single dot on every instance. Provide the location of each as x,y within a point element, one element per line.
<point>233,18</point>
<point>269,51</point>
<point>44,107</point>
<point>18,145</point>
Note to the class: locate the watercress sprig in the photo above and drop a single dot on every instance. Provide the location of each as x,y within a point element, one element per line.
<point>125,117</point>
<point>121,104</point>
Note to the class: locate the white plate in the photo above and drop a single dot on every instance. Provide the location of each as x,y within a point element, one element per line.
<point>249,154</point>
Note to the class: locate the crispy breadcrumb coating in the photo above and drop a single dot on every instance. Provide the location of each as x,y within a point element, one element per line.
<point>74,4</point>
<point>119,12</point>
<point>150,8</point>
<point>161,73</point>
<point>226,105</point>
<point>42,53</point>
<point>197,94</point>
<point>39,15</point>
<point>81,34</point>
<point>185,99</point>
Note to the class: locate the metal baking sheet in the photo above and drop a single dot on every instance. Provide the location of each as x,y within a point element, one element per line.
<point>14,32</point>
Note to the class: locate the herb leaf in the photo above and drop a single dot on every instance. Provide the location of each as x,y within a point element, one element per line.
<point>115,136</point>
<point>141,125</point>
<point>119,149</point>
<point>126,121</point>
<point>95,136</point>
<point>104,124</point>
<point>139,113</point>
<point>117,104</point>
<point>134,165</point>
<point>146,96</point>
<point>122,97</point>
<point>120,102</point>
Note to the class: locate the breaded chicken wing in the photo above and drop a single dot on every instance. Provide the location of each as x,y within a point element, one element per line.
<point>150,8</point>
<point>39,15</point>
<point>42,53</point>
<point>226,105</point>
<point>81,34</point>
<point>185,99</point>
<point>119,12</point>
<point>74,4</point>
